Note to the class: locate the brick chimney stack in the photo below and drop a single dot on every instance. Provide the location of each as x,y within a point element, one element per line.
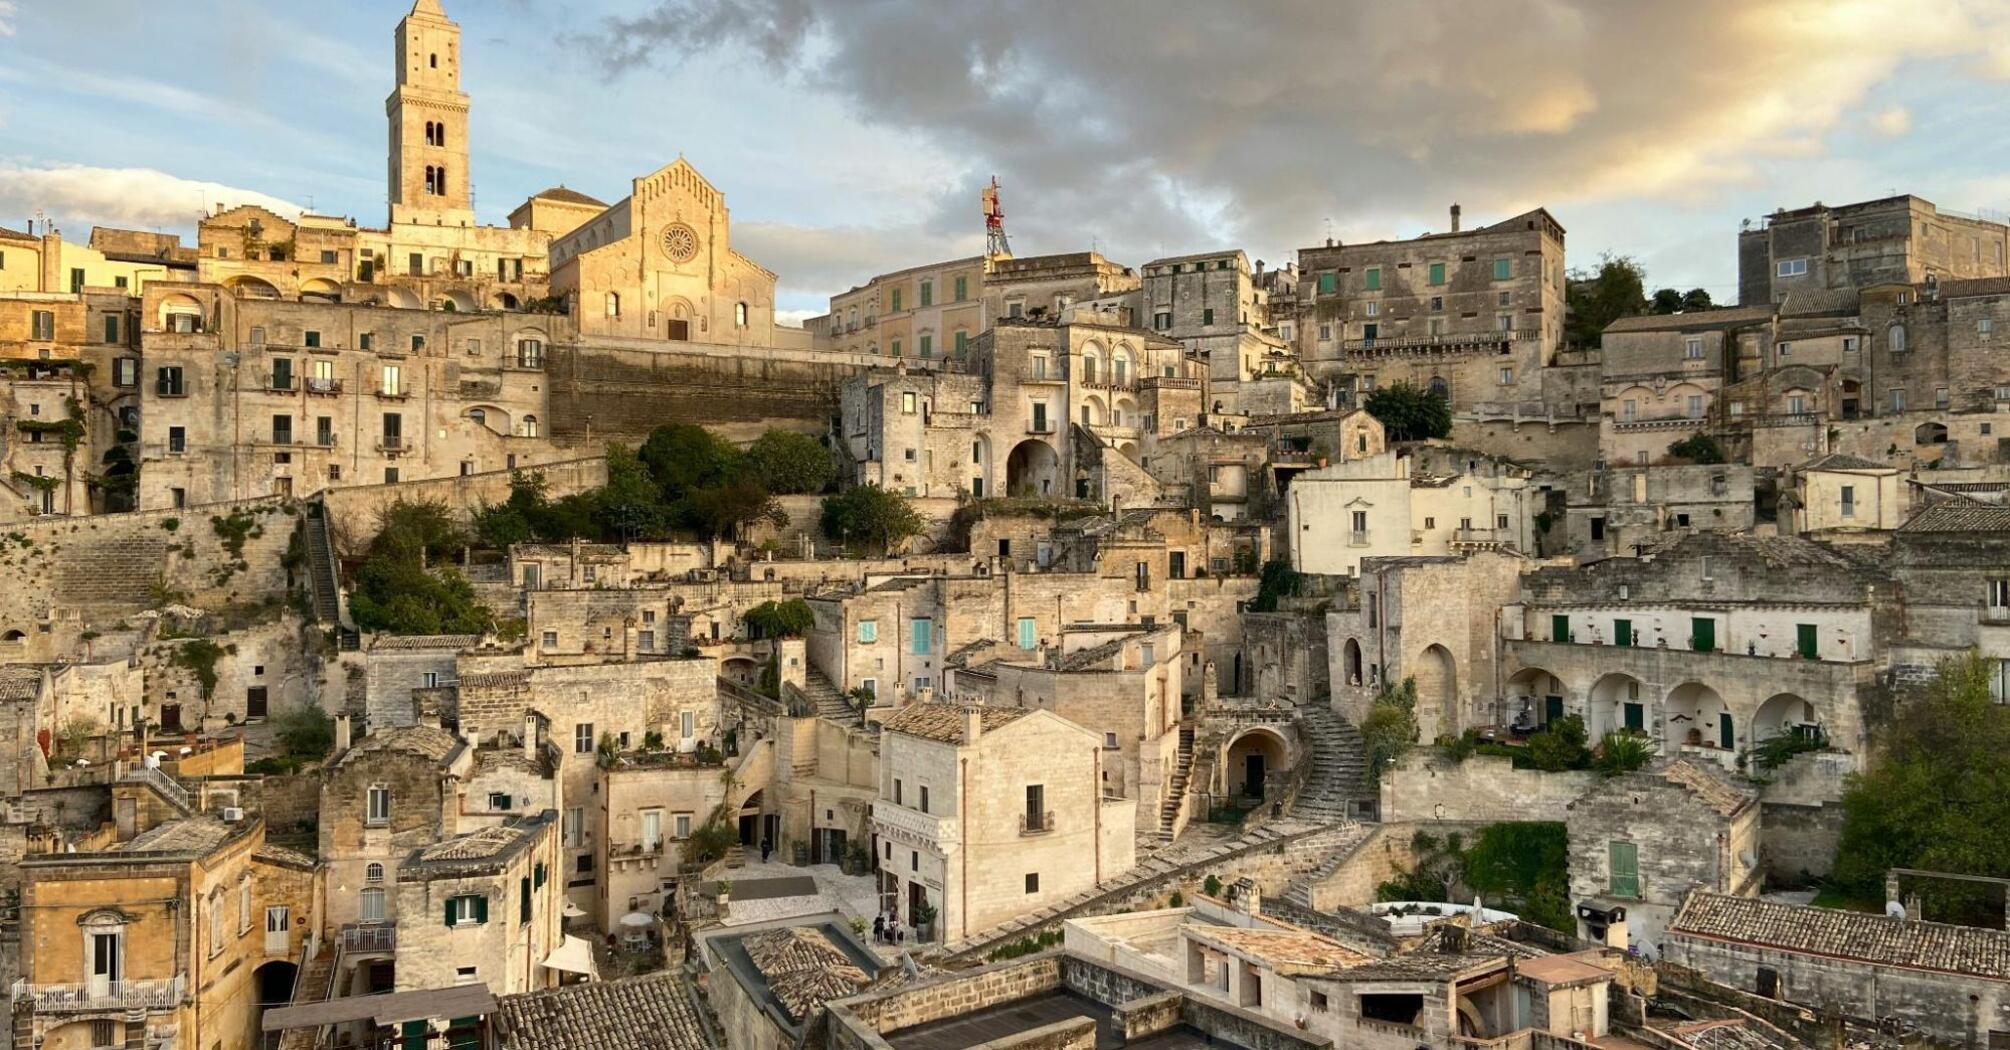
<point>1455,217</point>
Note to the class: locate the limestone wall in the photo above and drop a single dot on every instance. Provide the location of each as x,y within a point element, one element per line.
<point>610,390</point>
<point>1426,785</point>
<point>354,509</point>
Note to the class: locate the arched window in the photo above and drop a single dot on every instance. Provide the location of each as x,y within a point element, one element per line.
<point>614,304</point>
<point>1896,339</point>
<point>373,872</point>
<point>740,314</point>
<point>478,416</point>
<point>439,134</point>
<point>432,180</point>
<point>1440,388</point>
<point>442,186</point>
<point>530,426</point>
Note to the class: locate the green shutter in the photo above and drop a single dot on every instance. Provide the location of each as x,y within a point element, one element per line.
<point>450,911</point>
<point>962,344</point>
<point>1625,862</point>
<point>919,634</point>
<point>1808,640</point>
<point>1207,317</point>
<point>539,873</point>
<point>1622,632</point>
<point>927,294</point>
<point>1326,283</point>
<point>1559,627</point>
<point>415,1035</point>
<point>895,302</point>
<point>1726,737</point>
<point>1437,273</point>
<point>1025,632</point>
<point>523,899</point>
<point>1503,269</point>
<point>1636,717</point>
<point>482,908</point>
<point>1703,634</point>
<point>1372,279</point>
<point>1552,710</point>
<point>962,288</point>
<point>928,346</point>
<point>895,347</point>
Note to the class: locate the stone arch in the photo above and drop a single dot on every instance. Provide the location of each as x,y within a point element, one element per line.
<point>1437,675</point>
<point>1537,692</point>
<point>742,669</point>
<point>402,299</point>
<point>1129,448</point>
<point>1121,362</point>
<point>1092,360</point>
<point>505,301</point>
<point>1350,662</point>
<point>1618,702</point>
<point>1033,468</point>
<point>1093,413</point>
<point>459,300</point>
<point>677,316</point>
<point>275,982</point>
<point>1440,389</point>
<point>180,313</point>
<point>490,416</point>
<point>1930,433</point>
<point>321,288</point>
<point>528,426</point>
<point>1124,413</point>
<point>1785,713</point>
<point>1698,715</point>
<point>1258,752</point>
<point>245,286</point>
<point>14,634</point>
<point>1894,338</point>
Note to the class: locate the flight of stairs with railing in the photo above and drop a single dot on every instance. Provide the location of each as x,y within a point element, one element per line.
<point>1176,785</point>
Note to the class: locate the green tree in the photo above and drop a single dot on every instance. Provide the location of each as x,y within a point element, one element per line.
<point>1409,412</point>
<point>789,619</point>
<point>1698,448</point>
<point>684,456</point>
<point>1665,301</point>
<point>1697,299</point>
<point>1622,753</point>
<point>788,463</point>
<point>404,584</point>
<point>630,505</point>
<point>720,510</point>
<point>1937,799</point>
<point>868,514</point>
<point>305,731</point>
<point>1390,727</point>
<point>1560,745</point>
<point>1597,298</point>
<point>1279,580</point>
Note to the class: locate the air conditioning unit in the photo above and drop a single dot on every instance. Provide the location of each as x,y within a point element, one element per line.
<point>232,814</point>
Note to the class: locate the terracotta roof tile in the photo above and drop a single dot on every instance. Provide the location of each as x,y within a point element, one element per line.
<point>1959,516</point>
<point>1873,939</point>
<point>653,1012</point>
<point>944,722</point>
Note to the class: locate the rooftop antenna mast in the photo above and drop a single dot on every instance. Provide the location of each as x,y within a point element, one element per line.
<point>995,243</point>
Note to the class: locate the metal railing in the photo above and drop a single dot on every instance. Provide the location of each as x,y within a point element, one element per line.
<point>161,782</point>
<point>1030,825</point>
<point>318,385</point>
<point>153,994</point>
<point>369,937</point>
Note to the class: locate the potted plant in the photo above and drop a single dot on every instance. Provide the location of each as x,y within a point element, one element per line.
<point>922,915</point>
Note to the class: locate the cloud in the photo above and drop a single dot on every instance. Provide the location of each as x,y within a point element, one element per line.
<point>1891,121</point>
<point>8,12</point>
<point>130,197</point>
<point>823,259</point>
<point>1175,125</point>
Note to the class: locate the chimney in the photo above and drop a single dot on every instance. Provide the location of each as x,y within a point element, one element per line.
<point>529,735</point>
<point>1259,267</point>
<point>341,734</point>
<point>1455,218</point>
<point>973,725</point>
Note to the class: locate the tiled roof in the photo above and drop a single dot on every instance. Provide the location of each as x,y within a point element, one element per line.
<point>1959,516</point>
<point>429,742</point>
<point>1816,301</point>
<point>568,196</point>
<point>476,852</point>
<point>977,652</point>
<point>16,235</point>
<point>193,835</point>
<point>20,682</point>
<point>1693,321</point>
<point>1965,287</point>
<point>1289,951</point>
<point>275,853</point>
<point>1873,939</point>
<point>1839,461</point>
<point>944,722</point>
<point>495,680</point>
<point>803,968</point>
<point>651,1012</point>
<point>454,642</point>
<point>1088,659</point>
<point>1419,966</point>
<point>1709,784</point>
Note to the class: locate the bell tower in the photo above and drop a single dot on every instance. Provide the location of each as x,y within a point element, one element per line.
<point>429,123</point>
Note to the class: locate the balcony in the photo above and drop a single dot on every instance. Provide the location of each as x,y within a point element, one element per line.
<point>324,386</point>
<point>280,384</point>
<point>1036,824</point>
<point>1040,426</point>
<point>392,443</point>
<point>1439,343</point>
<point>912,825</point>
<point>1357,538</point>
<point>324,440</point>
<point>175,389</point>
<point>368,938</point>
<point>390,393</point>
<point>161,994</point>
<point>1029,375</point>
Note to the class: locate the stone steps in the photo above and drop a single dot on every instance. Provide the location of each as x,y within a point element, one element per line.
<point>1339,766</point>
<point>829,700</point>
<point>1299,891</point>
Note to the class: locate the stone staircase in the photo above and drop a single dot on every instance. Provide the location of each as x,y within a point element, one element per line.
<point>1339,766</point>
<point>829,699</point>
<point>324,576</point>
<point>1299,890</point>
<point>310,986</point>
<point>1175,793</point>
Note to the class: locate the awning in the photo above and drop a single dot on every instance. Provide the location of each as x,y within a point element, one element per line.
<point>464,1000</point>
<point>573,955</point>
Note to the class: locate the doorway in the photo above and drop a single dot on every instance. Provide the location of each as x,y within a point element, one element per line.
<point>1252,774</point>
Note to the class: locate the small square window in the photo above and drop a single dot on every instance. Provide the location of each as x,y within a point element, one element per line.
<point>1032,882</point>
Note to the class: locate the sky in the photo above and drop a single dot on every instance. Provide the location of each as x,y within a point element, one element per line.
<point>851,137</point>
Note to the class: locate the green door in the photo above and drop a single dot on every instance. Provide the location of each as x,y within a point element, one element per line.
<point>1624,865</point>
<point>1703,634</point>
<point>1552,710</point>
<point>1559,628</point>
<point>1622,632</point>
<point>1636,718</point>
<point>1807,641</point>
<point>1725,738</point>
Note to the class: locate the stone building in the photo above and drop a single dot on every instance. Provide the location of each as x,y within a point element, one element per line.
<point>1474,315</point>
<point>651,801</point>
<point>1708,646</point>
<point>1903,238</point>
<point>928,312</point>
<point>1383,506</point>
<point>386,795</point>
<point>246,397</point>
<point>1639,843</point>
<point>1619,509</point>
<point>483,906</point>
<point>1948,560</point>
<point>1835,493</point>
<point>160,936</point>
<point>1211,304</point>
<point>999,837</point>
<point>770,984</point>
<point>1427,619</point>
<point>656,1011</point>
<point>1661,375</point>
<point>1948,983</point>
<point>125,261</point>
<point>397,667</point>
<point>70,399</point>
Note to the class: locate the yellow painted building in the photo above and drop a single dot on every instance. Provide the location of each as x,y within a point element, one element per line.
<point>174,928</point>
<point>47,263</point>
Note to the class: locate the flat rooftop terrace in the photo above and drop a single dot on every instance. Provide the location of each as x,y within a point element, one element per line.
<point>1024,1015</point>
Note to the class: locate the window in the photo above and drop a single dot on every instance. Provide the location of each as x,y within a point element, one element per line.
<point>927,345</point>
<point>1849,344</point>
<point>893,301</point>
<point>924,798</point>
<point>1898,400</point>
<point>126,371</point>
<point>1503,269</point>
<point>111,328</point>
<point>1695,406</point>
<point>614,304</point>
<point>370,904</point>
<point>550,638</point>
<point>1792,267</point>
<point>1371,278</point>
<point>868,631</point>
<point>920,631</point>
<point>645,641</point>
<point>1372,308</point>
<point>928,293</point>
<point>1032,882</point>
<point>1797,404</point>
<point>575,827</point>
<point>76,279</point>
<point>687,724</point>
<point>898,792</point>
<point>582,738</point>
<point>1940,397</point>
<point>282,430</point>
<point>1437,273</point>
<point>652,830</point>
<point>167,381</point>
<point>377,811</point>
<point>1984,327</point>
<point>1361,521</point>
<point>1999,594</point>
<point>1036,807</point>
<point>740,315</point>
<point>1327,283</point>
<point>681,825</point>
<point>1437,304</point>
<point>1624,878</point>
<point>177,439</point>
<point>1026,632</point>
<point>1207,316</point>
<point>962,343</point>
<point>244,907</point>
<point>1692,349</point>
<point>393,381</point>
<point>468,909</point>
<point>1503,322</point>
<point>907,402</point>
<point>1895,339</point>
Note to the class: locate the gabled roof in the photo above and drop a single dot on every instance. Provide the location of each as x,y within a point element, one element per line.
<point>1962,515</point>
<point>1693,321</point>
<point>1875,940</point>
<point>1839,461</point>
<point>943,722</point>
<point>1709,784</point>
<point>652,1012</point>
<point>564,195</point>
<point>428,742</point>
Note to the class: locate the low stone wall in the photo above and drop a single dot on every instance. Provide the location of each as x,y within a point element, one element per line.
<point>1388,849</point>
<point>354,509</point>
<point>1428,786</point>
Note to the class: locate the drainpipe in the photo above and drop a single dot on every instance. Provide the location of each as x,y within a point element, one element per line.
<point>1096,797</point>
<point>963,851</point>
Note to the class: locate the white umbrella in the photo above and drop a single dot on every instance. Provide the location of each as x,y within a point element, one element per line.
<point>574,911</point>
<point>638,919</point>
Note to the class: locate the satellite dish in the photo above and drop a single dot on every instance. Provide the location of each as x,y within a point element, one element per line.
<point>1894,910</point>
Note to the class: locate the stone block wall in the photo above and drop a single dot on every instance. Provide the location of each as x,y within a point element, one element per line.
<point>1427,786</point>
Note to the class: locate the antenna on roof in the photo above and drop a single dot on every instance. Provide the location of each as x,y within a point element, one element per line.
<point>995,243</point>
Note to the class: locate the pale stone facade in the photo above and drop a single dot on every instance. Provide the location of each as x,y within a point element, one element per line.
<point>1902,238</point>
<point>1378,507</point>
<point>482,906</point>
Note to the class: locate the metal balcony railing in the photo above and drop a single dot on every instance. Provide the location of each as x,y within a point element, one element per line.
<point>1036,824</point>
<point>153,994</point>
<point>369,937</point>
<point>318,385</point>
